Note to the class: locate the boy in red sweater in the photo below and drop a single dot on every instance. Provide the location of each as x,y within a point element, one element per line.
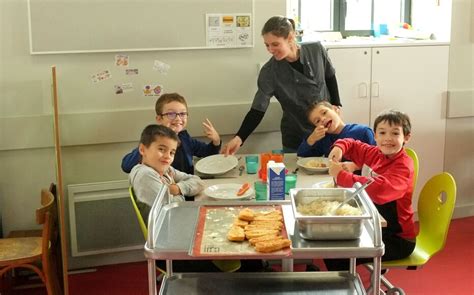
<point>393,172</point>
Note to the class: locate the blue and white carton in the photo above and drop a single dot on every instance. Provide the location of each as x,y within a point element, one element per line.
<point>275,181</point>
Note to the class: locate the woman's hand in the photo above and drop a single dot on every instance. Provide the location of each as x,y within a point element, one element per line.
<point>232,146</point>
<point>211,132</point>
<point>318,133</point>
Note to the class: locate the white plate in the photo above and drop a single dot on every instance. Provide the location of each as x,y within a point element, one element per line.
<point>216,164</point>
<point>227,191</point>
<point>303,164</point>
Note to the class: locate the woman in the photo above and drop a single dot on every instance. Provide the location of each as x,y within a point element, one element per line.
<point>297,75</point>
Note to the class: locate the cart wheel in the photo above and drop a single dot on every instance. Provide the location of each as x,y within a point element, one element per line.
<point>395,291</point>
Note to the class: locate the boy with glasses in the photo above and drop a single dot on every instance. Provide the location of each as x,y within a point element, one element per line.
<point>172,111</point>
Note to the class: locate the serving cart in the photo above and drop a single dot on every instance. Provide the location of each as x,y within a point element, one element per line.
<point>172,230</point>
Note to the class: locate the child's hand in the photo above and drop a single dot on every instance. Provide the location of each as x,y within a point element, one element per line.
<point>211,133</point>
<point>334,168</point>
<point>335,154</point>
<point>350,167</point>
<point>318,133</point>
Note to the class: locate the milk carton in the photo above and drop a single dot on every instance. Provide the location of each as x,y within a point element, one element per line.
<point>275,181</point>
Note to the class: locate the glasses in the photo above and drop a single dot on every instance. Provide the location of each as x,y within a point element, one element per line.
<point>173,115</point>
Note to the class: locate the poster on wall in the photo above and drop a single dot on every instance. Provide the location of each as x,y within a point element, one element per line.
<point>229,30</point>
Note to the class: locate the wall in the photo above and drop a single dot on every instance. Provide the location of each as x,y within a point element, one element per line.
<point>459,151</point>
<point>98,127</point>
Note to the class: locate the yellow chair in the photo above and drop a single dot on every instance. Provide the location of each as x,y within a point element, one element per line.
<point>435,209</point>
<point>28,252</point>
<point>223,265</point>
<point>141,222</point>
<point>416,165</point>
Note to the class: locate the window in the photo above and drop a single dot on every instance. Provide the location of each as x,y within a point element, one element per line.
<point>350,17</point>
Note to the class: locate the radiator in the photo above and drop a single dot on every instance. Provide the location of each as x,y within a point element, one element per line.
<point>102,219</point>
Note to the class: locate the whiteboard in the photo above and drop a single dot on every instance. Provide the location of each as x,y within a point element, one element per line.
<point>81,26</point>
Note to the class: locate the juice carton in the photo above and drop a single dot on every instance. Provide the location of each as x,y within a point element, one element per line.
<point>275,181</point>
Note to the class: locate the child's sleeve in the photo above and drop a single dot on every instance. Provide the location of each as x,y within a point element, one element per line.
<point>201,149</point>
<point>190,185</point>
<point>130,160</point>
<point>146,185</point>
<point>306,150</point>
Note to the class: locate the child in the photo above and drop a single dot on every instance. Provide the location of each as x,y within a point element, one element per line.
<point>329,127</point>
<point>172,111</point>
<point>157,148</point>
<point>392,169</point>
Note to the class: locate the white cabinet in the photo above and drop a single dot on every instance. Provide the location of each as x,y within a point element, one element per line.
<point>410,79</point>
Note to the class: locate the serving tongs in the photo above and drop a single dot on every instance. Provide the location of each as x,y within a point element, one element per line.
<point>354,194</point>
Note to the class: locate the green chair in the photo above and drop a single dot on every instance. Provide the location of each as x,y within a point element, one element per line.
<point>141,222</point>
<point>435,209</point>
<point>412,154</point>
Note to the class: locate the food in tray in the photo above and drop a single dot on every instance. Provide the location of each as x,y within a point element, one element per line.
<point>240,222</point>
<point>315,164</point>
<point>263,231</point>
<point>236,234</point>
<point>272,246</point>
<point>247,214</point>
<point>322,207</point>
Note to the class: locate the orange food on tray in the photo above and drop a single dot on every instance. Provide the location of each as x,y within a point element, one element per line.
<point>245,187</point>
<point>264,232</point>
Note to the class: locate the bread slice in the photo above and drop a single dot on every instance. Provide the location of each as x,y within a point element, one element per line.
<point>264,239</point>
<point>236,234</point>
<point>272,246</point>
<point>240,222</point>
<point>246,214</point>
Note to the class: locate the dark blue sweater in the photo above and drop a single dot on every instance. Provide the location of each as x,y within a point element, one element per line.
<point>183,159</point>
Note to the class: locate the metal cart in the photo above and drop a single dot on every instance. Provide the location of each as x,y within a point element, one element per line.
<point>171,232</point>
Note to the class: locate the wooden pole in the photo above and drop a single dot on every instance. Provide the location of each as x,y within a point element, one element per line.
<point>59,177</point>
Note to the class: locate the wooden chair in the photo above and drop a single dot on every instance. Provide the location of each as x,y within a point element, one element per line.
<point>29,252</point>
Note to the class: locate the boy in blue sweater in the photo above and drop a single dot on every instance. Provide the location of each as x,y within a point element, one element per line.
<point>172,111</point>
<point>329,127</point>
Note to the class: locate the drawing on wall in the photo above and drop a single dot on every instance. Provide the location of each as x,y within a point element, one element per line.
<point>161,67</point>
<point>131,72</point>
<point>121,60</point>
<point>152,90</point>
<point>124,87</point>
<point>229,30</point>
<point>101,76</point>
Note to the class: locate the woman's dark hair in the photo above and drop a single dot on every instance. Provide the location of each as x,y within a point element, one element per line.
<point>394,117</point>
<point>151,132</point>
<point>279,26</point>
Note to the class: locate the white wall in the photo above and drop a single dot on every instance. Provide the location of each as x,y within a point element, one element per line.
<point>459,151</point>
<point>98,127</point>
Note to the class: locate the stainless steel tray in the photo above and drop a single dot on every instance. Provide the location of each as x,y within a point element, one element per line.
<point>340,283</point>
<point>314,227</point>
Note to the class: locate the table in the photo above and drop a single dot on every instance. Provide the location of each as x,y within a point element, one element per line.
<point>303,180</point>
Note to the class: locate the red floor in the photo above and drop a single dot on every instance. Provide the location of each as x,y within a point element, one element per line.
<point>450,272</point>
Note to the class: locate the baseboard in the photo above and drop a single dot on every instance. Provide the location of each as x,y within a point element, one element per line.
<point>463,211</point>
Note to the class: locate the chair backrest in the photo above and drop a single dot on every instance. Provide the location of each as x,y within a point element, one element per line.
<point>47,215</point>
<point>416,165</point>
<point>141,222</point>
<point>435,209</point>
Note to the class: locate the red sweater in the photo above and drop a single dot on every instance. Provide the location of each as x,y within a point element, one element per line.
<point>392,189</point>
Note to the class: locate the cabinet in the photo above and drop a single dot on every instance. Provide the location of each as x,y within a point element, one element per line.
<point>412,79</point>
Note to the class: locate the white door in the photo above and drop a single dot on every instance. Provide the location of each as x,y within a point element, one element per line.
<point>353,78</point>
